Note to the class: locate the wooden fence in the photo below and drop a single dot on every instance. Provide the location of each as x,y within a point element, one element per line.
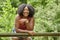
<point>26,34</point>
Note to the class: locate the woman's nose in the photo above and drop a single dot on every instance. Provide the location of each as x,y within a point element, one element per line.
<point>26,11</point>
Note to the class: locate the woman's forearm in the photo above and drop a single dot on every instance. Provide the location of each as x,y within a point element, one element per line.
<point>20,30</point>
<point>28,26</point>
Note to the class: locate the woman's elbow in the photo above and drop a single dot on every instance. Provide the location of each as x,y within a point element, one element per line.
<point>17,30</point>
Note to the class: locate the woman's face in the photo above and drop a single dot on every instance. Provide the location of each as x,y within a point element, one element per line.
<point>26,12</point>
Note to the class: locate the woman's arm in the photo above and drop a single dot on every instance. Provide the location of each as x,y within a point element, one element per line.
<point>20,30</point>
<point>17,26</point>
<point>30,25</point>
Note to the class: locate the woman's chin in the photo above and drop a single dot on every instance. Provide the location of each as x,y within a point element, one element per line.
<point>25,16</point>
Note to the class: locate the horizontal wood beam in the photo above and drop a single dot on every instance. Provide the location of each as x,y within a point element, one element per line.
<point>26,34</point>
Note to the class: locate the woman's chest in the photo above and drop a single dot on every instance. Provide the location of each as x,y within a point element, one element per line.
<point>22,21</point>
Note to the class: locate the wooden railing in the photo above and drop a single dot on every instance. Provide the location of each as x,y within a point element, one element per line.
<point>26,34</point>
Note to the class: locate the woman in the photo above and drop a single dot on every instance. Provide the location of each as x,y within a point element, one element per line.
<point>24,21</point>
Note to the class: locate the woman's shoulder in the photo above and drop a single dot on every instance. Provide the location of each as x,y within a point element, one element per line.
<point>17,17</point>
<point>31,17</point>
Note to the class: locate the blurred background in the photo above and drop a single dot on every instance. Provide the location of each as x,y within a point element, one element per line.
<point>47,16</point>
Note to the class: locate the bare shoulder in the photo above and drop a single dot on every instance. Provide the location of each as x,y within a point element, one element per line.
<point>32,18</point>
<point>17,17</point>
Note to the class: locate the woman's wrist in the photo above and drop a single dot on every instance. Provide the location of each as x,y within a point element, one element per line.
<point>26,30</point>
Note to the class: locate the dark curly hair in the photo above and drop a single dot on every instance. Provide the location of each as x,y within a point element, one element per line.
<point>21,8</point>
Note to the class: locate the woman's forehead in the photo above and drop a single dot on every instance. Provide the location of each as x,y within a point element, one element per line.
<point>26,7</point>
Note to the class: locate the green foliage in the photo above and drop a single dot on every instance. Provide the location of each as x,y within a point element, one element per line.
<point>15,3</point>
<point>47,16</point>
<point>7,18</point>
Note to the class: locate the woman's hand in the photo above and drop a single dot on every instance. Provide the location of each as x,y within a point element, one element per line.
<point>31,32</point>
<point>23,20</point>
<point>26,21</point>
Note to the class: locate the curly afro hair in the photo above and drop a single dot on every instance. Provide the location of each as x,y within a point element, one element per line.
<point>21,8</point>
